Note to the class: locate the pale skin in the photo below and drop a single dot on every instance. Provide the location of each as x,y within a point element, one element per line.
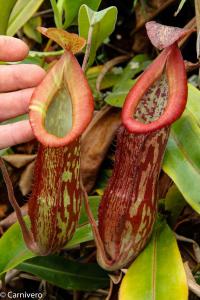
<point>17,83</point>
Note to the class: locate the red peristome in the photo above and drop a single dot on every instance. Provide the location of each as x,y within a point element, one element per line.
<point>67,69</point>
<point>162,36</point>
<point>54,205</point>
<point>172,60</point>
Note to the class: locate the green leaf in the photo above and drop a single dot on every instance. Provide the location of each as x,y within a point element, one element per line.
<point>15,119</point>
<point>117,97</point>
<point>30,29</point>
<point>57,14</point>
<point>33,60</point>
<point>83,234</point>
<point>137,64</point>
<point>101,24</point>
<point>71,9</point>
<point>181,161</point>
<point>135,2</point>
<point>14,251</point>
<point>67,274</point>
<point>60,6</point>
<point>158,272</point>
<point>94,204</point>
<point>6,151</point>
<point>21,13</point>
<point>5,11</point>
<point>180,7</point>
<point>35,54</point>
<point>197,277</point>
<point>111,78</point>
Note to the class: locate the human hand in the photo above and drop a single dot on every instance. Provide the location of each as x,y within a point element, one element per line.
<point>17,84</point>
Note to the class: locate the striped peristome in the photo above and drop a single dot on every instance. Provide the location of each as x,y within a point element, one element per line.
<point>55,202</point>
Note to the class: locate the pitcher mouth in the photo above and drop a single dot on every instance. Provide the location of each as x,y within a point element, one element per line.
<point>169,62</point>
<point>62,105</point>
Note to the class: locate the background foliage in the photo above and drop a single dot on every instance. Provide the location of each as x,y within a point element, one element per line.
<point>119,52</point>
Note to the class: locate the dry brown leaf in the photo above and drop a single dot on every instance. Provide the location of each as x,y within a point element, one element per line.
<point>165,183</point>
<point>196,247</point>
<point>26,179</point>
<point>190,25</point>
<point>190,66</point>
<point>140,42</point>
<point>19,160</point>
<point>116,278</point>
<point>188,215</point>
<point>110,290</point>
<point>3,209</point>
<point>197,12</point>
<point>96,141</point>
<point>193,286</point>
<point>146,13</point>
<point>12,218</point>
<point>28,148</point>
<point>113,291</point>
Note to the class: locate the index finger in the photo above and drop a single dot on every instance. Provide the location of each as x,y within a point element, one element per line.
<point>12,49</point>
<point>15,133</point>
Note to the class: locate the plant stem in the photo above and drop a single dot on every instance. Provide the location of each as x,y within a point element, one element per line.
<point>44,12</point>
<point>99,243</point>
<point>197,11</point>
<point>88,48</point>
<point>48,45</point>
<point>45,54</point>
<point>57,17</point>
<point>28,238</point>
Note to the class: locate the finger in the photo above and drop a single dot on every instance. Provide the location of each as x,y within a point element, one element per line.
<point>14,104</point>
<point>17,77</point>
<point>16,133</point>
<point>12,49</point>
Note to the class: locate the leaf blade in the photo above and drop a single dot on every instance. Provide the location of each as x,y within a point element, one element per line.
<point>6,8</point>
<point>71,9</point>
<point>21,13</point>
<point>149,277</point>
<point>137,64</point>
<point>66,274</point>
<point>181,161</point>
<point>14,251</point>
<point>102,23</point>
